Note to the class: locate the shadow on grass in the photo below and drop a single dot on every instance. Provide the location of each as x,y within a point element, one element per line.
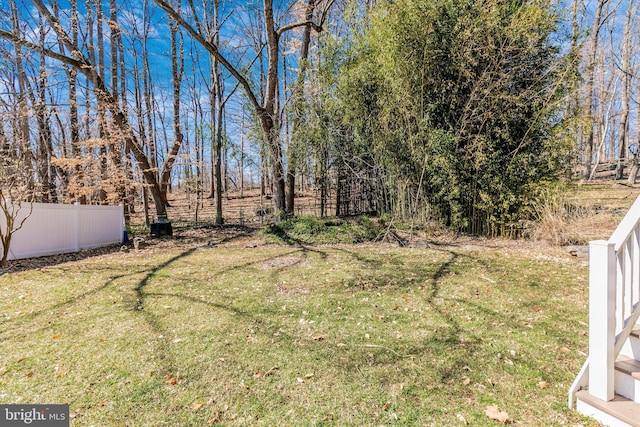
<point>454,345</point>
<point>20,265</point>
<point>162,349</point>
<point>454,339</point>
<point>56,307</point>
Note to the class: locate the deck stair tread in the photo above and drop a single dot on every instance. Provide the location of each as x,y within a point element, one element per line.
<point>622,408</point>
<point>628,366</point>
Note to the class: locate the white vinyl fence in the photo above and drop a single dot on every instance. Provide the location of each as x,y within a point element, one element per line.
<point>56,229</point>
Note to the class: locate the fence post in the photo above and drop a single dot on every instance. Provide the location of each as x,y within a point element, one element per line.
<point>76,243</point>
<point>123,225</point>
<point>602,308</point>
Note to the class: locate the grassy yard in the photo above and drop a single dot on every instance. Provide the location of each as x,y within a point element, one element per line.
<point>292,335</point>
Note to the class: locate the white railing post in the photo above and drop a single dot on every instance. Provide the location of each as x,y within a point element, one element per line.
<point>602,310</point>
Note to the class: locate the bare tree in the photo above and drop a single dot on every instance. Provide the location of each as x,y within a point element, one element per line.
<point>589,144</point>
<point>623,135</point>
<point>22,131</point>
<point>177,72</point>
<point>298,93</point>
<point>266,108</point>
<point>16,197</point>
<point>103,94</point>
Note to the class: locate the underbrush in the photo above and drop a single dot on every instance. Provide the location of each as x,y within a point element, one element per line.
<point>559,222</point>
<point>309,230</point>
<point>578,215</point>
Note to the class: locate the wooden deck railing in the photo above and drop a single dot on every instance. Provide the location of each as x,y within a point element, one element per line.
<point>614,309</point>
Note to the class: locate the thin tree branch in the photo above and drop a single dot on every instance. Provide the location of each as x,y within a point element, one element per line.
<point>294,25</point>
<point>78,64</point>
<point>213,49</point>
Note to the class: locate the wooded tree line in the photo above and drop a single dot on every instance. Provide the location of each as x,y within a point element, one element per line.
<point>458,111</point>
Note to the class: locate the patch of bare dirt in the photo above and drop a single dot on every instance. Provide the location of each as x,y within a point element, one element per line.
<point>51,260</point>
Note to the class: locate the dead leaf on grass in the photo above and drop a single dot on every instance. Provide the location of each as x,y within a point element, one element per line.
<point>197,405</point>
<point>466,380</point>
<point>543,384</point>
<point>496,414</point>
<point>320,337</point>
<point>171,379</point>
<point>57,336</point>
<point>59,370</point>
<point>216,417</point>
<point>270,371</point>
<point>3,370</point>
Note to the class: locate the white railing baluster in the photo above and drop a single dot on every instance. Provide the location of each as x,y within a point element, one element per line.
<point>635,277</point>
<point>602,323</point>
<point>619,295</point>
<point>628,275</point>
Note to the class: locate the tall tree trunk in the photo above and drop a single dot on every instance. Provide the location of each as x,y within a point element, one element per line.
<point>217,108</point>
<point>623,133</point>
<point>147,87</point>
<point>298,95</point>
<point>177,69</point>
<point>23,134</point>
<point>74,119</point>
<point>589,144</point>
<point>218,162</point>
<point>102,116</point>
<point>241,159</point>
<point>47,188</point>
<point>268,115</point>
<point>633,173</point>
<point>115,148</point>
<point>130,192</point>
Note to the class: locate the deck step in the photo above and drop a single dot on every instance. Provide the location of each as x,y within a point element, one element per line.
<point>627,378</point>
<point>629,366</point>
<point>619,412</point>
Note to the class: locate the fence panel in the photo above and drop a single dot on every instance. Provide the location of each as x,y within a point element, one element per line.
<point>100,226</point>
<point>56,228</point>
